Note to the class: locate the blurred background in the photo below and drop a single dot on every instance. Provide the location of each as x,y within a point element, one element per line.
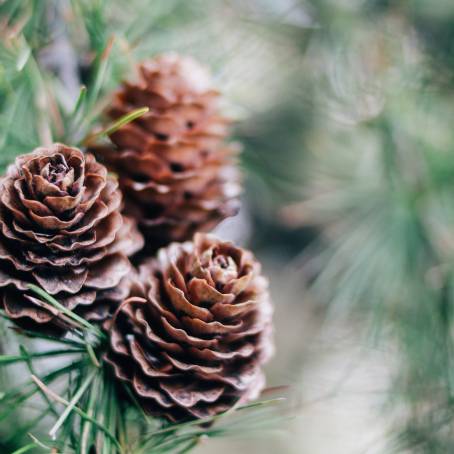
<point>345,112</point>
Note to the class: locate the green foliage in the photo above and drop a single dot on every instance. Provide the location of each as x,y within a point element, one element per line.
<point>378,185</point>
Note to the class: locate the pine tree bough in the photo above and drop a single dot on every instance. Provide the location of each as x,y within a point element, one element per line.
<point>193,335</point>
<point>60,228</point>
<point>176,170</point>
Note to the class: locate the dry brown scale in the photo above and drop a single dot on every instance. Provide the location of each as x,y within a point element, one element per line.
<point>61,229</point>
<point>196,330</point>
<point>176,170</point>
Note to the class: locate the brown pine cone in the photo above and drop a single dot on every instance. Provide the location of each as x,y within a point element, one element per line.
<point>176,171</point>
<point>61,229</point>
<point>193,337</point>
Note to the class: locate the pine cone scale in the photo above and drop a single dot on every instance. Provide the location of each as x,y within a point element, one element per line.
<point>84,298</point>
<point>67,280</point>
<point>15,309</point>
<point>183,337</point>
<point>108,272</point>
<point>148,369</point>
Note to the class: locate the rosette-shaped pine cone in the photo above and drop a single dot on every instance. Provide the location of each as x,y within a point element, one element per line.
<point>193,337</point>
<point>60,229</point>
<point>175,169</point>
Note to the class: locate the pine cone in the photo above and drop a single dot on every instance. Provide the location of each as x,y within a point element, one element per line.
<point>192,338</point>
<point>176,171</point>
<point>61,229</point>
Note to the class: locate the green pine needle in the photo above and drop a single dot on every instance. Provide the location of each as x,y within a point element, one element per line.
<point>25,449</point>
<point>11,359</point>
<point>77,396</point>
<point>118,124</point>
<point>79,320</point>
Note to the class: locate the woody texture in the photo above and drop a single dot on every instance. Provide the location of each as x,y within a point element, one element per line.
<point>174,165</point>
<point>60,228</point>
<point>193,336</point>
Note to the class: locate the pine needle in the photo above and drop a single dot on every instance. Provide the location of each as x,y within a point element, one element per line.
<point>74,408</point>
<point>26,448</point>
<point>124,120</point>
<point>33,373</point>
<point>71,404</point>
<point>51,300</point>
<point>11,359</point>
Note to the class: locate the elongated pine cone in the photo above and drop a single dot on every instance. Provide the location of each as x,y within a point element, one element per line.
<point>175,169</point>
<point>193,337</point>
<point>61,230</point>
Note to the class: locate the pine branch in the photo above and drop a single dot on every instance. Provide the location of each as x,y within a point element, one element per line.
<point>38,88</point>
